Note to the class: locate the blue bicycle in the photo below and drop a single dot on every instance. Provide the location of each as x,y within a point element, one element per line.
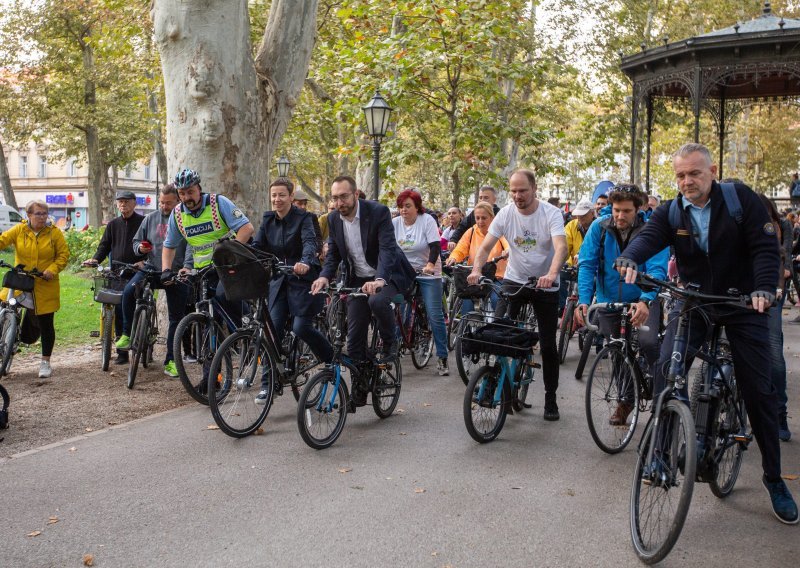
<point>325,401</point>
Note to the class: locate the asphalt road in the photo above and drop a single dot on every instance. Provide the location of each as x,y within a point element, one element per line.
<point>412,490</point>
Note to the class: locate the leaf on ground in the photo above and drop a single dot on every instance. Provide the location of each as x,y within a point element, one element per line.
<point>73,449</point>
<point>399,411</point>
<point>790,476</point>
<point>212,427</point>
<point>88,560</point>
<point>419,490</point>
<point>434,553</point>
<point>345,469</point>
<point>426,404</point>
<point>52,520</point>
<point>113,373</point>
<point>259,432</point>
<point>89,429</point>
<point>403,434</point>
<point>34,533</point>
<point>570,492</point>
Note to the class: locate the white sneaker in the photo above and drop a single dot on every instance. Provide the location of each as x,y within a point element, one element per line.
<point>45,370</point>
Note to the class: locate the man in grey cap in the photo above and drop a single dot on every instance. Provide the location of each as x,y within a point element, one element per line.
<point>301,200</point>
<point>117,244</point>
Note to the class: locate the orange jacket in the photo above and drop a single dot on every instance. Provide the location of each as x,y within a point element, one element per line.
<point>469,244</point>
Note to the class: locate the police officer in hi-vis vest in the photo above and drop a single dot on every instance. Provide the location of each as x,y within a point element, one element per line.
<point>201,219</point>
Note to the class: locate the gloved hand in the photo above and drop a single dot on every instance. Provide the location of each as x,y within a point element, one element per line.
<point>770,298</point>
<point>621,262</point>
<point>166,276</point>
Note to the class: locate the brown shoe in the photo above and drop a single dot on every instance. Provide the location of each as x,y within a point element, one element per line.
<point>620,416</point>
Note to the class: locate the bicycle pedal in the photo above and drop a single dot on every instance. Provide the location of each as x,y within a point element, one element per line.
<point>534,364</point>
<point>743,438</point>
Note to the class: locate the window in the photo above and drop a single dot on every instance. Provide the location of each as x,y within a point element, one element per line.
<point>42,166</point>
<point>128,171</point>
<point>147,171</point>
<point>14,217</point>
<point>23,166</point>
<point>72,168</point>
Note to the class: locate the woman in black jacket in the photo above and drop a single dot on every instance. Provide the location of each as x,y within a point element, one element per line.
<point>288,233</point>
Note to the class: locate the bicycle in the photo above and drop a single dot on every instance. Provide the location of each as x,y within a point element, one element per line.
<point>17,279</point>
<point>682,445</point>
<point>325,401</point>
<point>568,325</point>
<point>199,334</point>
<point>619,385</point>
<point>415,331</point>
<point>500,387</point>
<point>251,360</point>
<point>107,287</point>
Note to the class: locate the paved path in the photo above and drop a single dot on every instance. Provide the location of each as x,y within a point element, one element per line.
<point>416,491</point>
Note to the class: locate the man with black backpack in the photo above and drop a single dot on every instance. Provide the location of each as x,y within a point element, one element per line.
<point>724,240</point>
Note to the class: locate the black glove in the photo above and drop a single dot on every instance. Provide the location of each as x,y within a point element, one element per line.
<point>770,298</point>
<point>166,276</point>
<point>623,262</point>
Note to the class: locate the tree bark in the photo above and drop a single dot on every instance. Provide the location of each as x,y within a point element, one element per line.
<point>94,156</point>
<point>226,113</point>
<point>5,180</point>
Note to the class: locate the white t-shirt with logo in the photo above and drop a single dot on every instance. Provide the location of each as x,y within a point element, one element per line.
<point>415,240</point>
<point>530,239</point>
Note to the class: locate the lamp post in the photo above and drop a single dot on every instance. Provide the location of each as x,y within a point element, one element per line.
<point>283,166</point>
<point>376,114</point>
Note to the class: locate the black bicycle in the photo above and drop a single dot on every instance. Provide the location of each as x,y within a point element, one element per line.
<point>17,279</point>
<point>682,445</point>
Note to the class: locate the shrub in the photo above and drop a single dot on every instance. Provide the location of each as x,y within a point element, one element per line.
<point>82,245</point>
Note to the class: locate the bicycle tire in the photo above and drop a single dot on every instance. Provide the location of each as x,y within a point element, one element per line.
<point>673,472</point>
<point>106,336</point>
<point>565,331</point>
<point>466,364</point>
<point>421,339</point>
<point>202,335</point>
<point>588,343</point>
<point>138,345</point>
<point>386,387</point>
<point>453,319</point>
<point>612,373</point>
<point>302,361</point>
<point>313,418</point>
<point>521,395</point>
<point>8,336</point>
<point>243,369</point>
<point>152,337</point>
<point>483,417</point>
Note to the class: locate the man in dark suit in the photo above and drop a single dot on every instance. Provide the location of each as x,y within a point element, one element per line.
<point>361,236</point>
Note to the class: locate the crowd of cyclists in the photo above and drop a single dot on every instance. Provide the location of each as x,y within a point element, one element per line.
<point>717,237</point>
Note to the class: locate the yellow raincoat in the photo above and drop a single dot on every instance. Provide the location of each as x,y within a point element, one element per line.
<point>45,251</point>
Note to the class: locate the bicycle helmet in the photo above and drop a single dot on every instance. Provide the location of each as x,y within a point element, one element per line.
<point>186,178</point>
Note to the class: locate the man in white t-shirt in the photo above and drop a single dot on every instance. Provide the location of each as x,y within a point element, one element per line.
<point>537,249</point>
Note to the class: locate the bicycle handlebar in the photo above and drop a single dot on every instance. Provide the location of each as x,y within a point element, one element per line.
<point>734,300</point>
<point>20,269</point>
<point>608,306</point>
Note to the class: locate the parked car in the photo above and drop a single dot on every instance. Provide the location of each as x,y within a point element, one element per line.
<point>8,217</point>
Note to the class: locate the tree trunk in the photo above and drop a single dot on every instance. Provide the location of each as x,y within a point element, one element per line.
<point>5,180</point>
<point>158,139</point>
<point>94,156</point>
<point>226,113</point>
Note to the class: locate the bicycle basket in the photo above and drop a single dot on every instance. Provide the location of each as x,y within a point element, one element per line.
<point>502,337</point>
<point>17,281</point>
<point>108,290</point>
<point>242,274</point>
<point>464,290</point>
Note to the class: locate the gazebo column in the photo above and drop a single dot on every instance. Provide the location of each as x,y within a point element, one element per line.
<point>634,120</point>
<point>649,138</point>
<point>722,117</point>
<point>697,99</point>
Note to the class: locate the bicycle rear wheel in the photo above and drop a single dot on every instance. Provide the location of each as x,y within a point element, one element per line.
<point>8,336</point>
<point>662,489</point>
<point>730,421</point>
<point>565,330</point>
<point>322,410</point>
<point>196,340</point>
<point>106,335</point>
<point>422,338</point>
<point>484,413</point>
<point>241,370</point>
<point>467,364</point>
<point>386,387</point>
<point>526,378</point>
<point>612,400</point>
<point>138,344</point>
<point>453,319</point>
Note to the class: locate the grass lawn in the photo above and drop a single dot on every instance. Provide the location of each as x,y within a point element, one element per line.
<point>79,313</point>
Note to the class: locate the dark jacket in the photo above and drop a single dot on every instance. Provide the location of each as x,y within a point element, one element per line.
<point>380,247</point>
<point>292,239</point>
<point>744,257</point>
<point>466,223</point>
<point>117,240</point>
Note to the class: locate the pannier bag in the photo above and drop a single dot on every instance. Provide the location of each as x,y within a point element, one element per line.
<point>17,281</point>
<point>501,337</point>
<point>242,274</point>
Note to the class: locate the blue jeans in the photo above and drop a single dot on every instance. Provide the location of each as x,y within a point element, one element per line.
<point>776,353</point>
<point>431,291</point>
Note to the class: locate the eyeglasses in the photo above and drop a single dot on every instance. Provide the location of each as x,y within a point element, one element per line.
<point>343,197</point>
<point>39,214</point>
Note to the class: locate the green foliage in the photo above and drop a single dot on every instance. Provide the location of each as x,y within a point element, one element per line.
<point>82,245</point>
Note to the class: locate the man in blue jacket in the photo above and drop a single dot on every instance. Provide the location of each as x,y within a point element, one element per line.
<point>606,238</point>
<point>724,239</point>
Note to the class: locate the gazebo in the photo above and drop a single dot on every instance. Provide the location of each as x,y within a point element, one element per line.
<point>721,72</point>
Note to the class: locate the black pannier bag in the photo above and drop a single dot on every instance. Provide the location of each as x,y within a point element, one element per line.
<point>241,272</point>
<point>502,337</point>
<point>17,281</point>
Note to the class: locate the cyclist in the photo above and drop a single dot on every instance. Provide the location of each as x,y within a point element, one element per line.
<point>724,240</point>
<point>575,230</point>
<point>603,243</point>
<point>117,244</point>
<point>288,232</point>
<point>537,248</point>
<point>149,240</point>
<point>200,220</point>
<point>486,194</point>
<point>362,238</point>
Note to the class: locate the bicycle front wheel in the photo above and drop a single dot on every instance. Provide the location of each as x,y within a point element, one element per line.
<point>240,371</point>
<point>138,344</point>
<point>467,364</point>
<point>196,340</point>
<point>663,484</point>
<point>322,410</point>
<point>612,400</point>
<point>8,336</point>
<point>386,387</point>
<point>565,331</point>
<point>106,334</point>
<point>485,411</point>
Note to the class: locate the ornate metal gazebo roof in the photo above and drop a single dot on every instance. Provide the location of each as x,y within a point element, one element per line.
<point>753,61</point>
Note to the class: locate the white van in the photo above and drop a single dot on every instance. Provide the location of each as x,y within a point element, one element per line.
<point>8,217</point>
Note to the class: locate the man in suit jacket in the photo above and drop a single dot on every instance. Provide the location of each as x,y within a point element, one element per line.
<point>361,236</point>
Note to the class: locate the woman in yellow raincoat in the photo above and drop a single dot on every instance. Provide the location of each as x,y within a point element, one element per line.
<point>39,244</point>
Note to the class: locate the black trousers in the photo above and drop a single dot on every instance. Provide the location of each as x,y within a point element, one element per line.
<point>545,306</point>
<point>359,313</point>
<point>748,334</point>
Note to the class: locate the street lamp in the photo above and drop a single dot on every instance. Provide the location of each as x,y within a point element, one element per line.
<point>377,114</point>
<point>283,166</point>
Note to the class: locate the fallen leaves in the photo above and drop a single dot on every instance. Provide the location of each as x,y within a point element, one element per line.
<point>52,520</point>
<point>89,429</point>
<point>88,560</point>
<point>790,476</point>
<point>419,490</point>
<point>259,432</point>
<point>345,469</point>
<point>570,492</point>
<point>34,533</point>
<point>212,427</point>
<point>426,404</point>
<point>73,449</point>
